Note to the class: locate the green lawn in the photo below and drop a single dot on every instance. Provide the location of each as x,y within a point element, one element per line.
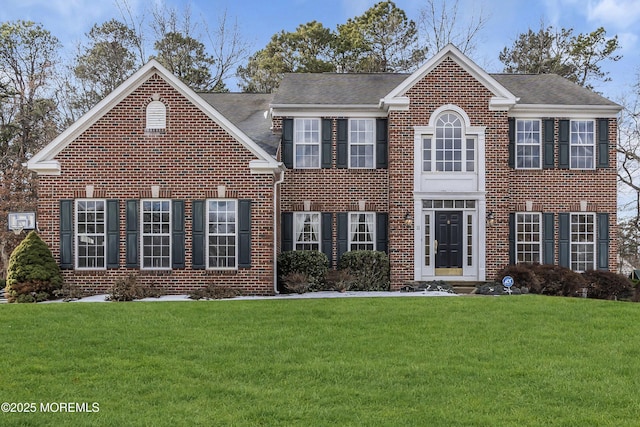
<point>467,361</point>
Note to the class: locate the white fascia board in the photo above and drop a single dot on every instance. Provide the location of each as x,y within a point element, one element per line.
<point>260,167</point>
<point>399,103</point>
<point>501,104</point>
<point>50,167</point>
<point>327,111</point>
<point>568,111</point>
<point>40,161</point>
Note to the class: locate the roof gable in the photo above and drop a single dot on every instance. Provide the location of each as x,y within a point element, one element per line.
<point>44,161</point>
<point>502,98</point>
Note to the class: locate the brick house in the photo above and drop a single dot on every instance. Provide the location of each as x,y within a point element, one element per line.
<point>452,171</point>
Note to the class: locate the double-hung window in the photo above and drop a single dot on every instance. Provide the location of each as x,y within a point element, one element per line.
<point>583,241</point>
<point>528,237</point>
<point>307,143</point>
<point>361,143</point>
<point>362,231</point>
<point>90,234</point>
<point>449,150</point>
<point>156,234</point>
<point>306,231</point>
<point>222,234</point>
<point>582,143</point>
<point>528,144</point>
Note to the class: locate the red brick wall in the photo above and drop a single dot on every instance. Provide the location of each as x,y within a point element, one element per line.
<point>188,162</point>
<point>557,191</point>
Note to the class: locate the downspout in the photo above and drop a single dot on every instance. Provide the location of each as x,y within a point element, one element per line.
<point>275,230</point>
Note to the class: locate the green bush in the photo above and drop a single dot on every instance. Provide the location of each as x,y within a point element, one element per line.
<point>313,263</point>
<point>370,269</point>
<point>32,275</point>
<point>608,285</point>
<point>544,279</point>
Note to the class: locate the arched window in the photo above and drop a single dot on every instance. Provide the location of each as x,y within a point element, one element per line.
<point>156,116</point>
<point>448,150</point>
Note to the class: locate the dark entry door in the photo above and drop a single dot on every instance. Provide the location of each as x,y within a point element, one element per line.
<point>449,239</point>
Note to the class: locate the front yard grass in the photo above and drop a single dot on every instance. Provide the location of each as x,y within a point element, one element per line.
<point>485,361</point>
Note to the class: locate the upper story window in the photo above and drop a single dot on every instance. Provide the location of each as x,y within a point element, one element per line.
<point>222,234</point>
<point>306,231</point>
<point>528,144</point>
<point>361,143</point>
<point>306,140</point>
<point>156,116</point>
<point>156,234</point>
<point>449,150</point>
<point>582,142</point>
<point>90,234</point>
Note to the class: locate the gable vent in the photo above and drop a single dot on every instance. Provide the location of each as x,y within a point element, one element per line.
<point>156,116</point>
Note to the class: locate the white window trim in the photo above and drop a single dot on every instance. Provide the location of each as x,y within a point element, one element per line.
<point>76,235</point>
<point>235,235</point>
<point>593,145</point>
<point>540,235</point>
<point>467,133</point>
<point>540,130</point>
<point>373,230</point>
<point>296,143</point>
<point>143,235</point>
<point>594,243</point>
<point>372,143</point>
<point>296,216</point>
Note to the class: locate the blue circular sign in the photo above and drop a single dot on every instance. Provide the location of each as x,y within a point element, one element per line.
<point>507,281</point>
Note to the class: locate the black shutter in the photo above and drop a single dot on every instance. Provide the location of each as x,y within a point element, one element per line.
<point>244,233</point>
<point>342,144</point>
<point>548,245</point>
<point>512,143</point>
<point>382,232</point>
<point>177,234</point>
<point>512,238</point>
<point>326,229</point>
<point>287,143</point>
<point>113,233</point>
<point>564,245</point>
<point>342,220</point>
<point>603,241</point>
<point>563,144</point>
<point>382,144</point>
<point>325,152</point>
<point>549,142</point>
<point>286,232</point>
<point>198,235</point>
<point>66,234</point>
<point>603,143</point>
<point>132,241</point>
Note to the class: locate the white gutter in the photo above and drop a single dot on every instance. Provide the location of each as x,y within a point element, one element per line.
<point>275,231</point>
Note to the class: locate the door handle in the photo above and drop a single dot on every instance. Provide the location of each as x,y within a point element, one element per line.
<point>435,246</point>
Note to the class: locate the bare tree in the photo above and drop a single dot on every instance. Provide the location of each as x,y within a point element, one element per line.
<point>439,24</point>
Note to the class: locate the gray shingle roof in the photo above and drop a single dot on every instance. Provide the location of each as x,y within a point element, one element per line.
<point>246,111</point>
<point>368,89</point>
<point>335,89</point>
<point>549,89</point>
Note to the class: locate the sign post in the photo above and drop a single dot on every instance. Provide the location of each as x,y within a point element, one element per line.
<point>507,282</point>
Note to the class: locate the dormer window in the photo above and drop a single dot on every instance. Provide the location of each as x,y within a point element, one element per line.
<point>156,117</point>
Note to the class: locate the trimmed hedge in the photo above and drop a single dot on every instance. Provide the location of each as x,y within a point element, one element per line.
<point>608,285</point>
<point>544,279</point>
<point>369,268</point>
<point>313,263</point>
